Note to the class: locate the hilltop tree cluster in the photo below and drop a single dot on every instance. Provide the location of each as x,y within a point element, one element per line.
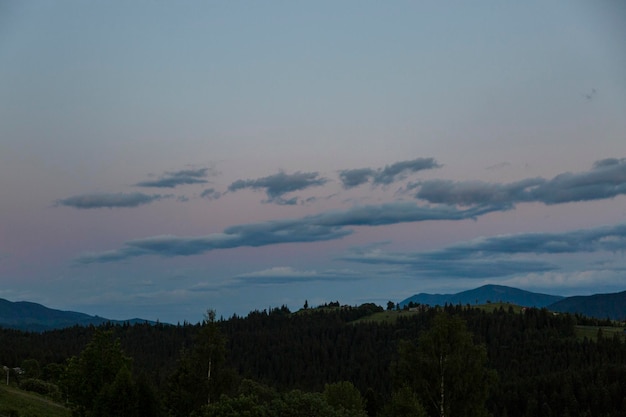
<point>330,361</point>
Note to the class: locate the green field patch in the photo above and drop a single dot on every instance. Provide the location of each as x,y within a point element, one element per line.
<point>389,316</point>
<point>15,402</point>
<point>491,307</point>
<point>591,332</point>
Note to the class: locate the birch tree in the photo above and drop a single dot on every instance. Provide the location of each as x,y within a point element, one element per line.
<point>447,370</point>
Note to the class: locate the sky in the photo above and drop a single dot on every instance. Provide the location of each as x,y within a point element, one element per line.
<point>158,159</point>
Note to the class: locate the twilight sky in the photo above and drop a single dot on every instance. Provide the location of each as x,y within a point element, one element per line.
<point>161,158</point>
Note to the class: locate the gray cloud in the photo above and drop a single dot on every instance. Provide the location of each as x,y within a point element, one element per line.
<point>93,201</point>
<point>591,95</point>
<point>469,193</point>
<point>606,179</point>
<point>211,194</point>
<point>483,268</point>
<point>351,178</point>
<point>277,185</point>
<point>399,212</point>
<point>397,171</point>
<point>173,179</point>
<point>422,264</point>
<point>322,227</point>
<point>493,257</point>
<point>286,275</point>
<point>607,162</point>
<point>281,275</point>
<point>480,198</point>
<point>611,238</point>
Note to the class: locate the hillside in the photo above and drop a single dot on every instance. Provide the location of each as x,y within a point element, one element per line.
<point>16,402</point>
<point>485,294</point>
<point>28,316</point>
<point>24,315</point>
<point>543,361</point>
<point>601,306</point>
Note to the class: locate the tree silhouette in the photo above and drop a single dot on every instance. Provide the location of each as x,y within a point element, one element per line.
<point>91,373</point>
<point>447,370</point>
<point>201,376</point>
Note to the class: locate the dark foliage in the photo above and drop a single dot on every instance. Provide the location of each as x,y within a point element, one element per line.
<point>543,368</point>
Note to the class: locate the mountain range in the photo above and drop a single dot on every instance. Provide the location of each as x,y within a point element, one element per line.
<point>24,315</point>
<point>602,306</point>
<point>27,316</point>
<point>612,306</point>
<point>486,294</point>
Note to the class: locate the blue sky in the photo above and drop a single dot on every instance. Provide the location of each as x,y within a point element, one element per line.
<point>161,158</point>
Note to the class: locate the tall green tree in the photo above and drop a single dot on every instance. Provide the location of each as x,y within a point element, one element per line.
<point>296,403</point>
<point>447,370</point>
<point>118,398</point>
<point>91,372</point>
<point>200,377</point>
<point>404,403</point>
<point>345,398</point>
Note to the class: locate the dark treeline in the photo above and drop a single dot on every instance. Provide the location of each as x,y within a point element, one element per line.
<point>537,365</point>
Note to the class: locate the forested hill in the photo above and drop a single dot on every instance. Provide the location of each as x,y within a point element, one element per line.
<point>486,294</point>
<point>611,306</point>
<point>278,362</point>
<point>601,306</point>
<point>28,316</point>
<point>24,315</point>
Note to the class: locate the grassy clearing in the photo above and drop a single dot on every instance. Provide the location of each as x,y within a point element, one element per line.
<point>591,332</point>
<point>18,403</point>
<point>491,307</point>
<point>388,316</point>
<point>393,315</point>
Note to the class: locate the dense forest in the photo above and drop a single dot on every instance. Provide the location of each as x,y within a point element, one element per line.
<point>330,361</point>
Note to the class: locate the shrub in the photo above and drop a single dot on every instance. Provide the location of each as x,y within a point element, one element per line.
<point>40,387</point>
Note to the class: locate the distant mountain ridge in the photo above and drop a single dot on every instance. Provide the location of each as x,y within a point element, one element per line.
<point>28,316</point>
<point>24,315</point>
<point>601,306</point>
<point>484,294</point>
